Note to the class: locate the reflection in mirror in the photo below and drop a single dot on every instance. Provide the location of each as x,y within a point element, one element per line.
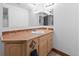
<point>40,20</point>
<point>5,17</point>
<point>45,20</point>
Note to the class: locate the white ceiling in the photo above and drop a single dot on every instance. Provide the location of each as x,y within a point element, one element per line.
<point>41,7</point>
<point>36,7</point>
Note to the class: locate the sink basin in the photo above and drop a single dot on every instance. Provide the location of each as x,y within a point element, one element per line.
<point>38,32</point>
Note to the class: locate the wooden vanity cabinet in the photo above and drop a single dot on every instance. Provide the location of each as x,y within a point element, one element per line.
<point>43,45</point>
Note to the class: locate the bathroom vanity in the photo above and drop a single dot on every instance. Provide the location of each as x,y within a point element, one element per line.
<point>23,42</point>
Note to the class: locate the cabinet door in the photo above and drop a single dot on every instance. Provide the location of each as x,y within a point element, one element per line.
<point>49,41</point>
<point>43,46</point>
<point>14,49</point>
<point>49,45</point>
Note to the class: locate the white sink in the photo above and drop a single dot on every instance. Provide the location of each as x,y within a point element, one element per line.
<point>38,32</point>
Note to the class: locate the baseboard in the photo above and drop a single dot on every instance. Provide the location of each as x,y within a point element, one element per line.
<point>59,52</point>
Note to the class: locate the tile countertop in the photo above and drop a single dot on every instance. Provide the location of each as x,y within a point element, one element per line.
<point>24,35</point>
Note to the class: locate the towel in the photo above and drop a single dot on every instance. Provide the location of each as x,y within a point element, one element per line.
<point>34,53</point>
